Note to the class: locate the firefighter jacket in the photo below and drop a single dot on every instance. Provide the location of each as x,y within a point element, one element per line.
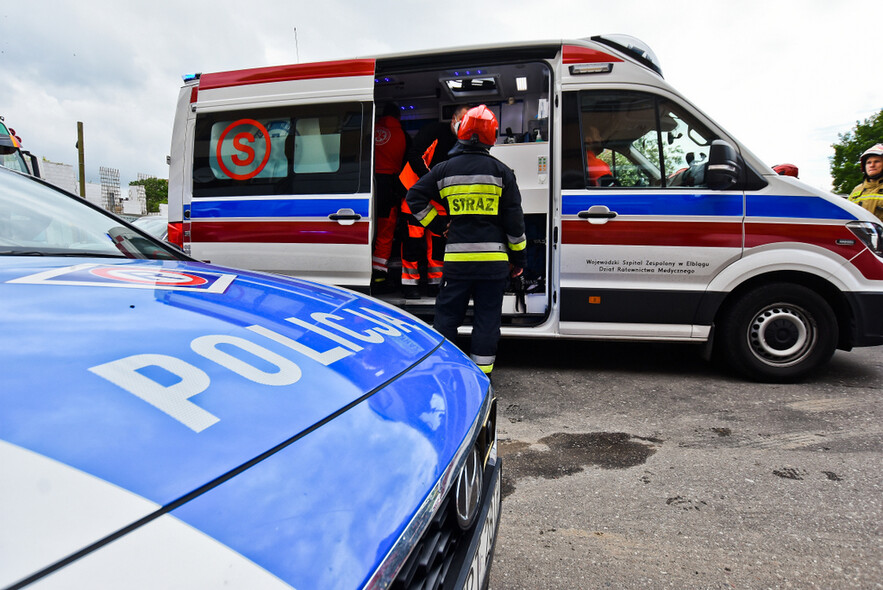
<point>869,195</point>
<point>485,222</point>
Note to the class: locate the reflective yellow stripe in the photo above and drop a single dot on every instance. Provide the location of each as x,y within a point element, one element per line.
<point>430,215</point>
<point>474,205</point>
<point>475,256</point>
<point>856,195</point>
<point>486,369</point>
<point>519,246</point>
<point>471,189</point>
<point>472,199</point>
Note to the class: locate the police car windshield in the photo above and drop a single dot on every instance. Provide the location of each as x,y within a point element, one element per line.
<point>38,220</point>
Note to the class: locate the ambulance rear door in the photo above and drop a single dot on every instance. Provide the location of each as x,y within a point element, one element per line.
<point>281,170</point>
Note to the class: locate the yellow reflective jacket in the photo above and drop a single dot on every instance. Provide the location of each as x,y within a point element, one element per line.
<point>869,195</point>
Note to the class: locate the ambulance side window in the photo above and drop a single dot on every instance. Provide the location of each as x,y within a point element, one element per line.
<point>615,138</point>
<point>310,149</point>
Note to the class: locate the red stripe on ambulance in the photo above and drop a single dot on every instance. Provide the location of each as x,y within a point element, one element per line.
<point>695,234</point>
<point>574,54</point>
<point>313,71</point>
<point>280,232</point>
<point>824,236</point>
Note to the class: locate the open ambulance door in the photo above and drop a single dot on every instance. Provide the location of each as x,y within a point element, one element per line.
<point>428,88</point>
<point>281,170</point>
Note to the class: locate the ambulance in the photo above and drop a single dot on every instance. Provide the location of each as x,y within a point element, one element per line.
<point>686,237</point>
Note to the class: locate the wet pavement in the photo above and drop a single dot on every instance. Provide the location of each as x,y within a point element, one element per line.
<point>642,466</point>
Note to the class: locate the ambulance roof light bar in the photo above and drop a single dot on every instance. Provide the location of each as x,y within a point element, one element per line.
<point>601,68</point>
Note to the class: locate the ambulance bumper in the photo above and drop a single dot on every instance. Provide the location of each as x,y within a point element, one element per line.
<point>867,319</point>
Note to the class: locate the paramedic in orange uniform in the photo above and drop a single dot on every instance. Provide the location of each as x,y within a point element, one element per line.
<point>598,171</point>
<point>390,151</point>
<point>430,147</point>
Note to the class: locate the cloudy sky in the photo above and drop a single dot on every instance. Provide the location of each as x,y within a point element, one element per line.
<point>783,76</point>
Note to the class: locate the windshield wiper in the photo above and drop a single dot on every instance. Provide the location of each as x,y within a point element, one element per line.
<point>88,254</point>
<point>66,253</point>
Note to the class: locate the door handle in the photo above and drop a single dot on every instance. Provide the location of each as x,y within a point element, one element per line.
<point>597,214</point>
<point>345,216</point>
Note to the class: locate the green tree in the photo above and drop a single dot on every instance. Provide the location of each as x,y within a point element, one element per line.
<point>627,174</point>
<point>845,167</point>
<point>157,190</point>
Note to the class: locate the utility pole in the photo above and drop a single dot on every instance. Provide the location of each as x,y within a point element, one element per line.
<point>82,159</point>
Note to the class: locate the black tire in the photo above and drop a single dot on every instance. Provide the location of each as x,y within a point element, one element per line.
<point>778,333</point>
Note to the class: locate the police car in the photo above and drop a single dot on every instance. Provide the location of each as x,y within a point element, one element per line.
<point>167,423</point>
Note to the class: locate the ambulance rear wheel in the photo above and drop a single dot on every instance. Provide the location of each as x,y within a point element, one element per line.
<point>778,333</point>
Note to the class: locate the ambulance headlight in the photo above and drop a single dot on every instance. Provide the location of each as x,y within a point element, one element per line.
<point>871,235</point>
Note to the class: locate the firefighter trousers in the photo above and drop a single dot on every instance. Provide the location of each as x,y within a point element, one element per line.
<point>450,311</point>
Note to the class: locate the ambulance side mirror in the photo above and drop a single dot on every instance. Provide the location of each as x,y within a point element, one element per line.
<point>724,166</point>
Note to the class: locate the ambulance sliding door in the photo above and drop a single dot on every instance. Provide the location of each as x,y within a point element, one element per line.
<point>282,180</point>
<point>641,234</point>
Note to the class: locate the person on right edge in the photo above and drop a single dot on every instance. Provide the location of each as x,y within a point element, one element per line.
<point>869,194</point>
<point>485,233</point>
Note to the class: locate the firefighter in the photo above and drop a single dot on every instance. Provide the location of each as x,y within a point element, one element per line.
<point>484,227</point>
<point>430,147</point>
<point>391,145</point>
<point>869,194</point>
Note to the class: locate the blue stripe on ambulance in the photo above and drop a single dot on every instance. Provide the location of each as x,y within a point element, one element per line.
<point>285,207</point>
<point>656,204</point>
<point>799,207</point>
<point>709,204</point>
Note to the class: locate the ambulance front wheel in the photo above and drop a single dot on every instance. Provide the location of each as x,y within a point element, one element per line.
<point>778,333</point>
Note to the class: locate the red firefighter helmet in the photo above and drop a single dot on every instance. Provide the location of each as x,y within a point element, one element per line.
<point>478,125</point>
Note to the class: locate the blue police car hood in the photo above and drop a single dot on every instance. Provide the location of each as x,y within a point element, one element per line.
<point>296,425</point>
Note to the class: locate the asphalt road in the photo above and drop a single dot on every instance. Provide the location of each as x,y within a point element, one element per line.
<point>642,466</point>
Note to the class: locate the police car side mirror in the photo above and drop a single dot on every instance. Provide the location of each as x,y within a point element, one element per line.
<point>724,166</point>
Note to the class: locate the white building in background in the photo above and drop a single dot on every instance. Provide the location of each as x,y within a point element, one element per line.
<point>136,201</point>
<point>93,194</point>
<point>64,176</point>
<point>61,175</point>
